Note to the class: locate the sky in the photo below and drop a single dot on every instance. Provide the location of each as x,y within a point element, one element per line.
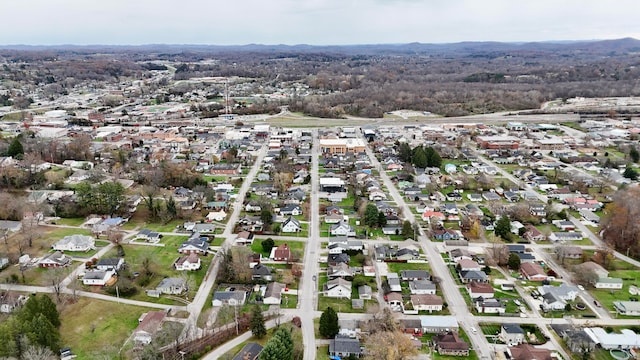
<point>314,22</point>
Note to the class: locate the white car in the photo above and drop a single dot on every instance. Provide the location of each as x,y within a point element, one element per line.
<point>473,330</point>
<point>581,288</point>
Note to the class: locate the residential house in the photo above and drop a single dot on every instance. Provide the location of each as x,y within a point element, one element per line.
<point>473,275</point>
<point>628,308</point>
<point>204,228</point>
<point>80,243</point>
<point>148,236</point>
<point>148,325</point>
<point>489,306</point>
<point>528,352</point>
<point>281,253</point>
<point>394,282</point>
<point>410,275</point>
<point>444,234</point>
<point>609,283</point>
<point>533,272</point>
<point>566,236</point>
<point>172,286</point>
<point>216,216</point>
<point>458,254</point>
<point>341,270</point>
<point>407,254</point>
<point>511,334</point>
<point>426,302</point>
<point>253,206</point>
<point>194,244</point>
<point>106,264</point>
<point>436,324</point>
<point>422,287</point>
<point>232,297</point>
<point>273,293</point>
<point>254,259</point>
<point>337,288</point>
<point>250,351</point>
<point>335,259</point>
<point>479,289</point>
<point>450,344</point>
<point>533,234</point>
<point>187,263</point>
<point>436,215</point>
<point>261,272</point>
<point>468,265</point>
<point>577,340</point>
<point>291,210</point>
<point>55,260</point>
<point>333,218</point>
<point>345,347</point>
<point>570,252</point>
<point>342,229</point>
<point>291,225</point>
<point>365,292</point>
<point>394,299</point>
<point>97,277</point>
<point>516,248</point>
<point>244,238</point>
<point>625,339</point>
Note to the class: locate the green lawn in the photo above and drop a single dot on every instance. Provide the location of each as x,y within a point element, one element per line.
<point>57,233</point>
<point>397,267</point>
<point>289,301</point>
<point>162,259</point>
<point>70,221</point>
<point>341,305</point>
<point>168,227</point>
<point>95,327</point>
<point>295,246</point>
<point>323,352</point>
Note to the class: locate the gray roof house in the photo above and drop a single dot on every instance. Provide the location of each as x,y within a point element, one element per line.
<point>345,347</point>
<point>236,297</point>
<point>172,286</point>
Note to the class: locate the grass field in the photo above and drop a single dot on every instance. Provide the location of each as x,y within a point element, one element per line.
<point>70,221</point>
<point>57,233</point>
<point>397,267</point>
<point>295,246</point>
<point>93,328</point>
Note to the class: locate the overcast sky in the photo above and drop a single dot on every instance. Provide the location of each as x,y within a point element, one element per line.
<point>317,22</point>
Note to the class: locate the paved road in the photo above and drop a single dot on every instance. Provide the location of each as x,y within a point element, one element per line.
<point>45,289</point>
<point>191,330</point>
<point>308,297</point>
<point>457,305</point>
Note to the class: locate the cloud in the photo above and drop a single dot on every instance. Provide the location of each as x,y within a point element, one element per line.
<point>313,21</point>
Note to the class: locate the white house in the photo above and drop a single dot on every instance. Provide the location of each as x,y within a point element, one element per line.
<point>342,229</point>
<point>97,277</point>
<point>272,294</point>
<point>337,288</point>
<point>290,225</point>
<point>216,216</point>
<point>75,243</point>
<point>189,262</point>
<point>609,283</point>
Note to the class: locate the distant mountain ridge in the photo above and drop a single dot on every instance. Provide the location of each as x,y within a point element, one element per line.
<point>616,46</point>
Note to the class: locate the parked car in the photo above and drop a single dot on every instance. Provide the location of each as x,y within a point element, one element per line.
<point>581,287</point>
<point>597,303</point>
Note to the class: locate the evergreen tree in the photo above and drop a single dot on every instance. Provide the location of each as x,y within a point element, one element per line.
<point>15,148</point>
<point>329,323</point>
<point>407,229</point>
<point>172,209</point>
<point>267,245</point>
<point>404,152</point>
<point>630,173</point>
<point>279,347</point>
<point>382,219</point>
<point>257,323</point>
<point>433,158</point>
<point>514,261</point>
<point>503,228</point>
<point>419,158</point>
<point>371,215</point>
